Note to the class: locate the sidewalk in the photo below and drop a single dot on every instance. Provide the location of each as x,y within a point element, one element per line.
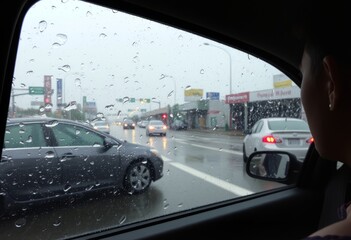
<point>221,131</point>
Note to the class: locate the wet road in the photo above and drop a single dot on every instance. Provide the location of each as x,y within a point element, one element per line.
<point>200,168</point>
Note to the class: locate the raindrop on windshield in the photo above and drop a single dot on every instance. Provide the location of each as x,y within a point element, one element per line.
<point>56,45</point>
<point>65,68</point>
<point>48,106</point>
<point>165,204</point>
<point>52,123</point>
<point>89,188</point>
<point>62,38</point>
<point>125,99</point>
<point>20,222</point>
<point>30,139</point>
<point>170,94</point>
<point>102,35</point>
<point>123,219</point>
<point>71,106</point>
<point>109,106</point>
<point>77,82</point>
<point>67,187</point>
<point>42,25</point>
<point>57,222</point>
<point>99,115</point>
<point>49,154</point>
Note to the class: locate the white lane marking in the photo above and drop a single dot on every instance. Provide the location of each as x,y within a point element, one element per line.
<point>208,178</point>
<point>212,148</point>
<point>209,140</point>
<point>217,149</point>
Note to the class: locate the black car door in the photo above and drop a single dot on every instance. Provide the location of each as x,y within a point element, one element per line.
<point>28,168</point>
<point>86,163</point>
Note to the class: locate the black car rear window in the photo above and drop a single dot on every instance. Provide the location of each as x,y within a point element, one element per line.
<point>288,125</point>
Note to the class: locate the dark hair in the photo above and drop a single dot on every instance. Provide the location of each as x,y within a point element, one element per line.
<point>325,30</point>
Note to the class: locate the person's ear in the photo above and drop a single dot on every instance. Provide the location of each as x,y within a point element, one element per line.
<point>334,81</point>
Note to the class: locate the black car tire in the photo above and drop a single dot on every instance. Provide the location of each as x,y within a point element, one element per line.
<point>245,158</point>
<point>138,178</point>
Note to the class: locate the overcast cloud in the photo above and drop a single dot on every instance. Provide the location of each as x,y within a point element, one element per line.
<point>105,55</point>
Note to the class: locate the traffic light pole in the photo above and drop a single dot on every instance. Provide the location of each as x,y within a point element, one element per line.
<point>13,95</point>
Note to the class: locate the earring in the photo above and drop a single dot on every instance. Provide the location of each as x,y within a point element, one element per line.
<point>330,107</point>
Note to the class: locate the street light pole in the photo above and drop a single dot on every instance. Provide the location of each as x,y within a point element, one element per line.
<point>230,64</point>
<point>230,78</point>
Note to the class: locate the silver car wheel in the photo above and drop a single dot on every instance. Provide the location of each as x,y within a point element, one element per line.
<point>138,178</point>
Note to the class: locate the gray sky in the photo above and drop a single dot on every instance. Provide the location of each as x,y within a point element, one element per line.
<point>105,54</point>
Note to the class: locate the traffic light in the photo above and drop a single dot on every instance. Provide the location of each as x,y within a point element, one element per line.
<point>164,116</point>
<point>47,100</point>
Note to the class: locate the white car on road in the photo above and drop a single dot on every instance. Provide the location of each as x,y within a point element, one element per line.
<point>280,134</point>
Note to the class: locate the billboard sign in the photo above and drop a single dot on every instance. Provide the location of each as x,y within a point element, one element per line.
<point>193,94</point>
<point>47,89</point>
<point>281,81</point>
<point>212,95</point>
<point>237,98</point>
<point>59,91</point>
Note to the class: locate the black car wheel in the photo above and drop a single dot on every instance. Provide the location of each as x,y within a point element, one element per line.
<point>245,158</point>
<point>138,178</point>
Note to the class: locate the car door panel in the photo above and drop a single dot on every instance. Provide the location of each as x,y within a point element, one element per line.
<point>29,168</point>
<point>85,167</point>
<point>86,163</point>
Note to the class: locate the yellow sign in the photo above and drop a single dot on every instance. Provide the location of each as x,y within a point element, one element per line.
<point>194,92</point>
<point>283,84</point>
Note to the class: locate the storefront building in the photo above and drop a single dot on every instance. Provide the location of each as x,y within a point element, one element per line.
<point>248,107</point>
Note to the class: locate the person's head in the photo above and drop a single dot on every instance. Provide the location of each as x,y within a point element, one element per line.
<point>326,78</point>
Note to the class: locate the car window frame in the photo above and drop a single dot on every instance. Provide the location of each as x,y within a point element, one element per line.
<point>165,224</point>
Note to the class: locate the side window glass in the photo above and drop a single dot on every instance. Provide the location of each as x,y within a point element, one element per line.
<point>24,136</point>
<point>67,135</point>
<point>254,128</point>
<point>259,127</point>
<point>85,64</point>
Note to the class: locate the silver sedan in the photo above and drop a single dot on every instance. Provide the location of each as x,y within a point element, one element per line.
<point>281,134</point>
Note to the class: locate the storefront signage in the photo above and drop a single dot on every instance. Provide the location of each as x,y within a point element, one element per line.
<point>237,98</point>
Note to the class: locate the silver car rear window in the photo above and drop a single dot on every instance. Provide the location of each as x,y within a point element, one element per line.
<point>288,125</point>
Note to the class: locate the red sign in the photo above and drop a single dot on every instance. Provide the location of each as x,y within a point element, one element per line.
<point>237,98</point>
<point>47,89</point>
